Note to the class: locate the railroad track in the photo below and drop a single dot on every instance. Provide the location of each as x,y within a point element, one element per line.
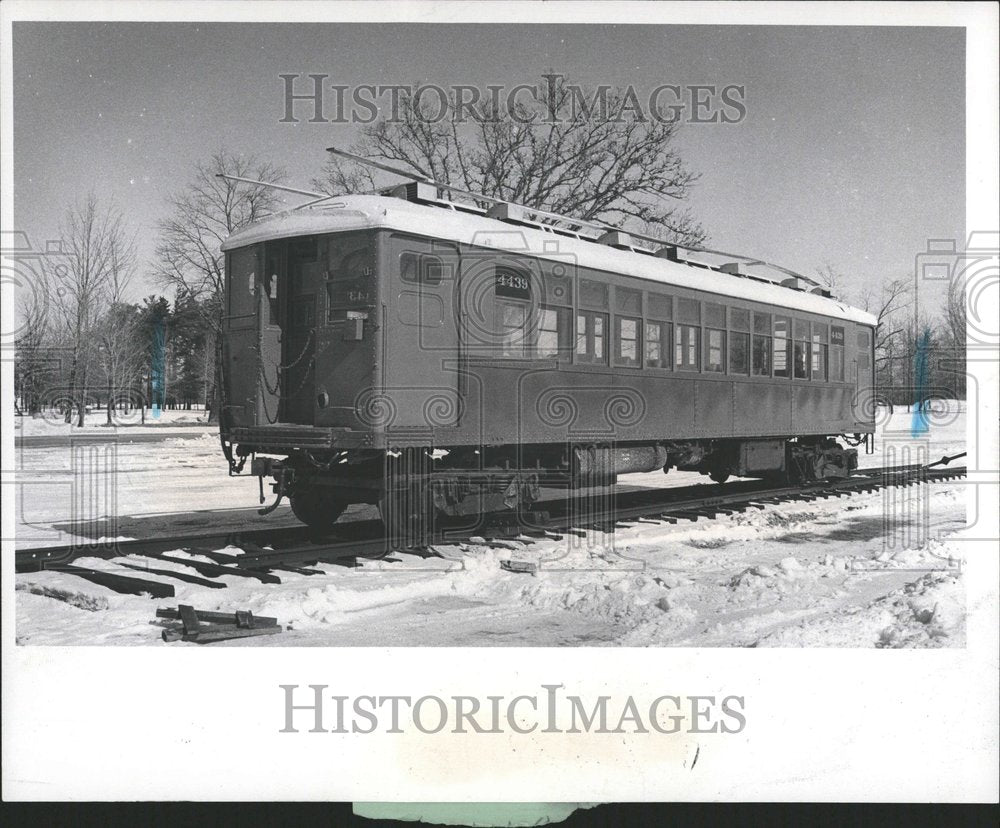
<point>267,554</point>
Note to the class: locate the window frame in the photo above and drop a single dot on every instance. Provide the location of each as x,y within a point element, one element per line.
<point>787,339</point>
<point>838,350</point>
<point>563,332</point>
<point>501,303</point>
<point>707,349</point>
<point>744,337</point>
<point>531,329</point>
<point>821,349</point>
<point>683,344</point>
<point>619,360</point>
<point>665,341</point>
<point>589,335</point>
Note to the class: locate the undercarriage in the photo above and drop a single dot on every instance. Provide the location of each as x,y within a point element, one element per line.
<point>412,486</point>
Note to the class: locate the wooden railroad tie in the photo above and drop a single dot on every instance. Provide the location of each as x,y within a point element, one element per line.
<point>203,627</point>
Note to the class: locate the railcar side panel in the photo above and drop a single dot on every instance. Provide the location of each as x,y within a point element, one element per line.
<point>420,332</point>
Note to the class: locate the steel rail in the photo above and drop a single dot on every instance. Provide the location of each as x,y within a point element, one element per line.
<point>297,546</point>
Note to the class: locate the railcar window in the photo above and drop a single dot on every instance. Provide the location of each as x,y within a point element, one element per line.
<point>782,346</point>
<point>552,333</point>
<point>628,301</point>
<point>837,364</point>
<point>658,337</point>
<point>689,311</point>
<point>305,249</point>
<point>242,282</point>
<point>820,350</point>
<point>409,268</point>
<point>715,316</point>
<point>761,345</point>
<point>836,353</point>
<point>593,294</point>
<point>800,329</point>
<point>739,319</point>
<point>761,356</point>
<point>739,353</point>
<point>272,273</point>
<point>591,331</point>
<point>659,306</point>
<point>523,336</point>
<point>739,341</point>
<point>348,257</point>
<point>628,344</point>
<point>420,269</point>
<point>687,356</point>
<point>512,320</point>
<point>801,359</point>
<point>715,350</point>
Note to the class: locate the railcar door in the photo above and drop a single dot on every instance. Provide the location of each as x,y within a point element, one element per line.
<point>250,340</point>
<point>421,375</point>
<point>347,329</point>
<point>864,362</point>
<point>298,352</point>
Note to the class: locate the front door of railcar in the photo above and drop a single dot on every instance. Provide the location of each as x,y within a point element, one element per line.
<point>298,351</point>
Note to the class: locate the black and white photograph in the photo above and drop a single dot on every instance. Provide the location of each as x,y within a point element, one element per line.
<point>630,337</point>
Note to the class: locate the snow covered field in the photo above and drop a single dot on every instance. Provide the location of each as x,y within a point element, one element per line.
<point>50,423</point>
<point>877,570</point>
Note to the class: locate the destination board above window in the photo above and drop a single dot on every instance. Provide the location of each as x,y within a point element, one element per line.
<point>512,284</point>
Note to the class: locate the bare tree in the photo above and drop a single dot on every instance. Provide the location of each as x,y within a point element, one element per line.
<point>31,365</point>
<point>830,278</point>
<point>119,356</point>
<point>203,214</point>
<point>955,334</point>
<point>884,304</point>
<point>97,250</point>
<point>955,313</point>
<point>555,154</point>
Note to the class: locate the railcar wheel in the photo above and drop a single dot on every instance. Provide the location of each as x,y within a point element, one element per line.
<point>317,511</point>
<point>719,475</point>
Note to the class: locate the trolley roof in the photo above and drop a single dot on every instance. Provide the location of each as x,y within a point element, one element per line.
<point>365,212</point>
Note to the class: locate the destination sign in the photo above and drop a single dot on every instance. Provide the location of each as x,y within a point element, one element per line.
<point>511,284</point>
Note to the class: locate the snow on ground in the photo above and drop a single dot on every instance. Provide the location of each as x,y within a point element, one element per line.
<point>50,423</point>
<point>876,570</point>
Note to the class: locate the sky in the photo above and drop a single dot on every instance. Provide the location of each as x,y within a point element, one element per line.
<point>851,154</point>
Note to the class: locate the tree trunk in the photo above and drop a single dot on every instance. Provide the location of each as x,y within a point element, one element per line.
<point>82,405</point>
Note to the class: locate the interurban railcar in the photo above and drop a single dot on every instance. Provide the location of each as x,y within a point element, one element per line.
<point>403,348</point>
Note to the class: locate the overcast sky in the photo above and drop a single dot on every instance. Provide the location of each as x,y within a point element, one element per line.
<point>851,153</point>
